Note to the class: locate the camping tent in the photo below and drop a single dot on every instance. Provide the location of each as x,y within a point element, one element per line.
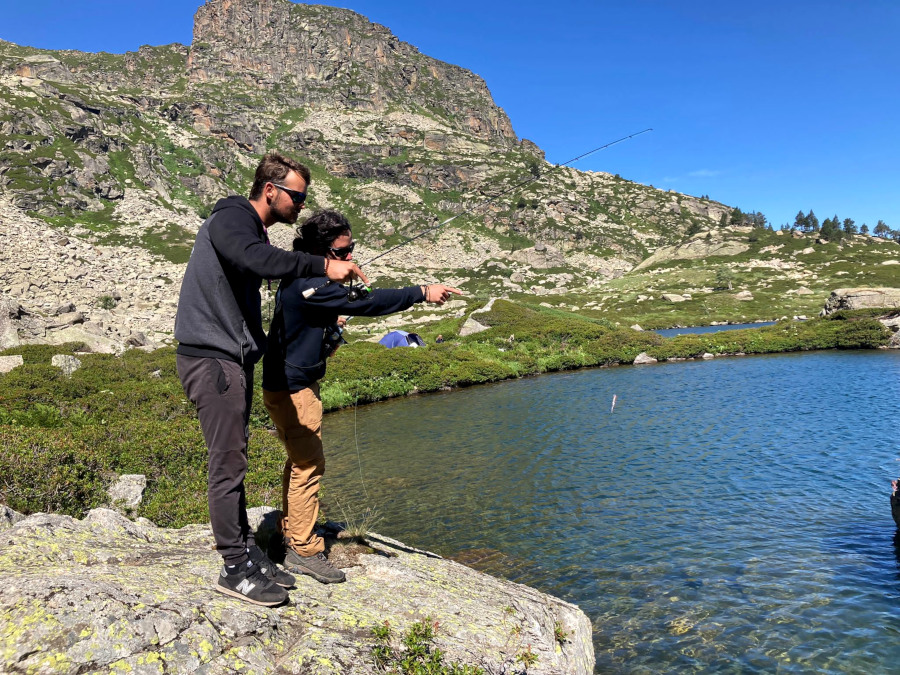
<point>400,338</point>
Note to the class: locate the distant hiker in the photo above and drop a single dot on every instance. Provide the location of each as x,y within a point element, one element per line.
<point>219,329</point>
<point>303,335</point>
<point>439,339</point>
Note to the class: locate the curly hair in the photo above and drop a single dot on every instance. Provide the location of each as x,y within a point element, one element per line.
<point>319,231</point>
<point>272,169</point>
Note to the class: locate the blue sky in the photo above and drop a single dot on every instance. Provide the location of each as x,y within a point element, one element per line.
<point>768,106</point>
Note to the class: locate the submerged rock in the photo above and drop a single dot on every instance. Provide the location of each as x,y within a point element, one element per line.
<point>106,593</point>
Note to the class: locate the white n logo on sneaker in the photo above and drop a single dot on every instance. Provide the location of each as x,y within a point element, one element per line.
<point>245,586</point>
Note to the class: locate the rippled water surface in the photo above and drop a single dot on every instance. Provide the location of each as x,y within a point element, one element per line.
<point>729,516</point>
<point>669,332</point>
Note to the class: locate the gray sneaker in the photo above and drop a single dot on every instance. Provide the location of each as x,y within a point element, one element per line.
<point>270,569</point>
<point>316,566</point>
<point>251,585</point>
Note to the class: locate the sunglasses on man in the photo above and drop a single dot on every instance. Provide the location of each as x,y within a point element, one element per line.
<point>296,196</point>
<point>343,251</point>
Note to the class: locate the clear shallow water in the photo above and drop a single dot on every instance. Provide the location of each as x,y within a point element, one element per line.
<point>730,516</point>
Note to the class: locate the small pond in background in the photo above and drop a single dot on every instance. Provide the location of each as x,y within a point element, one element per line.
<point>670,332</point>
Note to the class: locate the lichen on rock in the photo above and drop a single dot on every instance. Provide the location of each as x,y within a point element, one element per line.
<point>112,595</point>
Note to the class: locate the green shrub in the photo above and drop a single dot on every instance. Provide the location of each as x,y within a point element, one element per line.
<point>49,470</point>
<point>106,302</point>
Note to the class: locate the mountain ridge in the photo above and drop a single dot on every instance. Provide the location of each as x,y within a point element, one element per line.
<point>128,152</point>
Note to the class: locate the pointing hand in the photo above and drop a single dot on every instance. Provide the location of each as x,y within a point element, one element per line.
<point>439,294</point>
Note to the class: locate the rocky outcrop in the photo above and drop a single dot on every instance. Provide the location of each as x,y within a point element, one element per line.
<point>862,298</point>
<point>695,249</point>
<point>343,61</point>
<point>109,594</point>
<point>56,288</point>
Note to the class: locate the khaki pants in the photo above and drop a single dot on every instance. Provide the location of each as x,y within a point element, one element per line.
<point>298,418</point>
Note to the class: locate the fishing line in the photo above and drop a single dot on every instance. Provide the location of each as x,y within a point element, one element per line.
<point>497,196</point>
<point>362,479</point>
<point>491,200</point>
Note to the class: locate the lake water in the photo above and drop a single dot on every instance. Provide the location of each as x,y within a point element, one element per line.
<point>729,516</point>
<point>670,332</point>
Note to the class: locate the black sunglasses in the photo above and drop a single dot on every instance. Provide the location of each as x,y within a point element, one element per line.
<point>343,251</point>
<point>296,196</point>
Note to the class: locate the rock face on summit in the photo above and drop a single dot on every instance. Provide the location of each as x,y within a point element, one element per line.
<point>343,60</point>
<point>106,594</point>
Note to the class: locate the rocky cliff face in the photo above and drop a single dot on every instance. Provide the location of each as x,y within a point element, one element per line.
<point>326,58</point>
<point>127,153</point>
<point>109,594</point>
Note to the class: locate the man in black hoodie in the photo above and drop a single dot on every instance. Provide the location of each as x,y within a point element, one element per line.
<point>219,329</point>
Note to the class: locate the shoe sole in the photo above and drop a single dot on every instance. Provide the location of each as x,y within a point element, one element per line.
<point>318,577</point>
<point>235,594</point>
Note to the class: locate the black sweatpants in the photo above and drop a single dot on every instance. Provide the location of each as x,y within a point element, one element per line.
<point>222,391</point>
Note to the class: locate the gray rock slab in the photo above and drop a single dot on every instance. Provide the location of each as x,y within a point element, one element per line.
<point>472,327</point>
<point>643,358</point>
<point>7,363</point>
<point>128,490</point>
<point>66,363</point>
<point>9,312</point>
<point>8,517</point>
<point>95,343</point>
<point>107,594</point>
<point>861,298</point>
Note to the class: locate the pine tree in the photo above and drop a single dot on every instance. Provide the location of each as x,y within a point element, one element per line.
<point>801,222</point>
<point>849,226</point>
<point>812,221</point>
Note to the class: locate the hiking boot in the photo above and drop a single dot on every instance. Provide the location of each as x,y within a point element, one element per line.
<point>270,569</point>
<point>316,566</point>
<point>251,585</point>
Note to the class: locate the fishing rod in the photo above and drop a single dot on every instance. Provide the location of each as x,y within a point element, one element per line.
<point>497,196</point>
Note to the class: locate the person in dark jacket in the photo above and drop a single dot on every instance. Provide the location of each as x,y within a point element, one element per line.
<point>219,329</point>
<point>304,333</point>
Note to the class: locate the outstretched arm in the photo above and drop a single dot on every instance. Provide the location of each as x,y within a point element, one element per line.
<point>438,293</point>
<point>333,297</point>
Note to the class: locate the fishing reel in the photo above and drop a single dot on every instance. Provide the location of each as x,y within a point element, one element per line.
<point>358,292</point>
<point>332,339</point>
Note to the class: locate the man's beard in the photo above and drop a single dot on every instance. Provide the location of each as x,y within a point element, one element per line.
<point>288,216</point>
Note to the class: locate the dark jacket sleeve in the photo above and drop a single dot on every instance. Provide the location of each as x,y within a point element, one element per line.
<point>237,240</point>
<point>332,297</point>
